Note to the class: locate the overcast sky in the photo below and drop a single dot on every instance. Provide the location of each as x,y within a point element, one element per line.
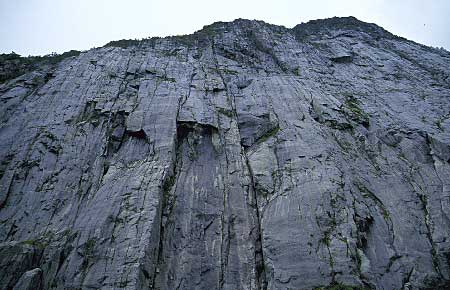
<point>43,26</point>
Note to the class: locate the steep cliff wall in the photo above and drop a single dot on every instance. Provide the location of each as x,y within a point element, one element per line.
<point>244,156</point>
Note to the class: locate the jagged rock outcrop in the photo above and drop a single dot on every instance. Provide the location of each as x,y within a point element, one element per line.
<point>244,156</point>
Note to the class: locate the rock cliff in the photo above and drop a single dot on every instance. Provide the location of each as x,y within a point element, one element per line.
<point>243,156</point>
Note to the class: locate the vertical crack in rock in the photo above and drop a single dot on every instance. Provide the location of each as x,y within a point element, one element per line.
<point>6,191</point>
<point>427,221</point>
<point>423,198</point>
<point>259,253</point>
<point>261,282</point>
<point>189,220</point>
<point>167,201</point>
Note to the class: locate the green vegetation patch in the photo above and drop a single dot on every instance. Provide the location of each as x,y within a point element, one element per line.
<point>268,134</point>
<point>13,65</point>
<point>357,114</point>
<point>35,243</point>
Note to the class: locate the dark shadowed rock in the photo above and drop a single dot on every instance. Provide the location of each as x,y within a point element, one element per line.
<point>30,280</point>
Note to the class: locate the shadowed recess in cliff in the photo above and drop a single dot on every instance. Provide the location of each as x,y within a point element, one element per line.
<point>192,217</point>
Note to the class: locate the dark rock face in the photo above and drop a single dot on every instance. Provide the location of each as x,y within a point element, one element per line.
<point>244,156</point>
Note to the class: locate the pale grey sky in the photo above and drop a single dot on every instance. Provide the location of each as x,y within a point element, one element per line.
<point>43,26</point>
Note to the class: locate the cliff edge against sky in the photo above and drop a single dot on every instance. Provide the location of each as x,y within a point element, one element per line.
<point>243,156</point>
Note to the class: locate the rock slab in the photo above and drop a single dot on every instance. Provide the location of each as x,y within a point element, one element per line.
<point>243,156</point>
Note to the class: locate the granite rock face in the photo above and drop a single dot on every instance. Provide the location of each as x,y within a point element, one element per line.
<point>244,156</point>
